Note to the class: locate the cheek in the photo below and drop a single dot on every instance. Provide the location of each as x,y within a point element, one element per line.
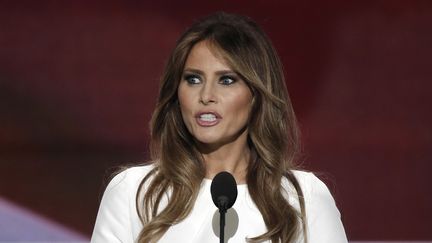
<point>185,105</point>
<point>183,111</point>
<point>242,106</point>
<point>185,117</point>
<point>181,94</point>
<point>183,99</point>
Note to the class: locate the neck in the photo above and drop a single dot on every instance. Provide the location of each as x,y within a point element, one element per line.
<point>232,157</point>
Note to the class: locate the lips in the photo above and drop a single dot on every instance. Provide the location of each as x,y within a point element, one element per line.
<point>207,119</point>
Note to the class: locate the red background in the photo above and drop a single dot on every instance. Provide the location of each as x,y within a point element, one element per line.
<point>78,83</point>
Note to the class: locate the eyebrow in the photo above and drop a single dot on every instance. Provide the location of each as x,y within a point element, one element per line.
<point>219,72</point>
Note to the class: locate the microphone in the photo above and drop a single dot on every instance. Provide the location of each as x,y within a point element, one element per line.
<point>224,191</point>
<point>224,194</point>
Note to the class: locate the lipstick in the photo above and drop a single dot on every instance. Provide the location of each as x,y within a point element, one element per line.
<point>207,118</point>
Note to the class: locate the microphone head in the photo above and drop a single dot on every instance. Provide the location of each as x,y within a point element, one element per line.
<point>224,190</point>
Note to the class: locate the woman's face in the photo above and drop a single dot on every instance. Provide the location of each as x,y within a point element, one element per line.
<point>215,102</point>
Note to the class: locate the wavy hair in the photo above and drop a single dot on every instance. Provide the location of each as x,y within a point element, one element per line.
<point>273,135</point>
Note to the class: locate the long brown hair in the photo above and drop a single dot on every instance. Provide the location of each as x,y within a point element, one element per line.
<point>273,134</point>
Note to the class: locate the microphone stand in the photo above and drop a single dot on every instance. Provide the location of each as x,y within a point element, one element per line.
<point>222,213</point>
<point>224,194</point>
<point>223,204</point>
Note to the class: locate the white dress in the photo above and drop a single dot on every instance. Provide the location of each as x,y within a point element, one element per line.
<point>117,219</point>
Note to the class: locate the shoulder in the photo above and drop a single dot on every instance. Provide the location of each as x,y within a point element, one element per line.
<point>314,189</point>
<point>322,215</point>
<point>129,178</point>
<point>311,186</point>
<point>315,192</point>
<point>117,220</point>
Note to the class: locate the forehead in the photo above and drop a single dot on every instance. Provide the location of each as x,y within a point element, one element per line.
<point>206,55</point>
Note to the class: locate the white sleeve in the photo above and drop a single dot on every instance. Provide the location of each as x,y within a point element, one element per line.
<point>324,223</point>
<point>113,223</point>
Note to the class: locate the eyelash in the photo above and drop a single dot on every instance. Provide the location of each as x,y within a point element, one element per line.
<point>190,77</point>
<point>225,77</point>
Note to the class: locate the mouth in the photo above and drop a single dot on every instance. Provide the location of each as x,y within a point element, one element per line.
<point>207,119</point>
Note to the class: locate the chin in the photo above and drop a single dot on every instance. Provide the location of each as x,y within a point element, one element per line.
<point>207,140</point>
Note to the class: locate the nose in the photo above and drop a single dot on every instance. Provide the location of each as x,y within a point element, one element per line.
<point>207,94</point>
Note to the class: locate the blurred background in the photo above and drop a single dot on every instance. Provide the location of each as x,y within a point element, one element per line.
<point>79,80</point>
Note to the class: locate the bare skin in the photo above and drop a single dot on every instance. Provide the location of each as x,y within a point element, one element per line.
<point>216,105</point>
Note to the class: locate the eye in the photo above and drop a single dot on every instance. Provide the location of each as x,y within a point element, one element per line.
<point>192,78</point>
<point>227,80</point>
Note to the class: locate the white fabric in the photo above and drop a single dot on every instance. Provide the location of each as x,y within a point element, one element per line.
<point>117,219</point>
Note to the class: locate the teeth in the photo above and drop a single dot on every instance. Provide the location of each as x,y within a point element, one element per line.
<point>208,117</point>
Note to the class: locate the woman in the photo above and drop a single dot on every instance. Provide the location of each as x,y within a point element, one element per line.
<point>223,106</point>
